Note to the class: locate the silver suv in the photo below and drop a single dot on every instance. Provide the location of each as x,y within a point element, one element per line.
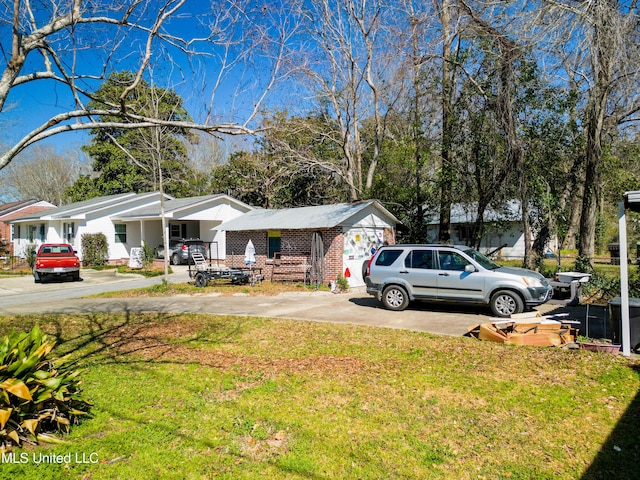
<point>398,274</point>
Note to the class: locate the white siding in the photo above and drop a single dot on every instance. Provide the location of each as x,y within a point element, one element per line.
<point>359,244</point>
<point>369,217</point>
<point>512,236</point>
<point>199,222</point>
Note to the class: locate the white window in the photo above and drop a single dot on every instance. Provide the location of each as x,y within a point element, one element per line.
<point>121,232</point>
<point>68,231</point>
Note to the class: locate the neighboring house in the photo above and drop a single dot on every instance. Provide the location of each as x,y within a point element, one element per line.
<point>192,217</point>
<point>128,220</point>
<point>9,211</point>
<point>346,234</point>
<point>503,233</point>
<point>69,222</point>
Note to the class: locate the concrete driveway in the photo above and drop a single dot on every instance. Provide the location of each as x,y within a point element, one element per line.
<point>20,295</point>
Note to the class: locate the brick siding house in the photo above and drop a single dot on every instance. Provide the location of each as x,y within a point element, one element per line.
<point>348,233</point>
<point>9,211</point>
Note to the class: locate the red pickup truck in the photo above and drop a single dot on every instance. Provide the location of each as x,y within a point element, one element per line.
<point>56,260</point>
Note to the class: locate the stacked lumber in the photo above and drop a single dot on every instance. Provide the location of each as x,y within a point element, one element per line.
<point>528,329</point>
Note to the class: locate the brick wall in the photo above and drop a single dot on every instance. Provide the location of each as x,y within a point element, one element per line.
<point>295,248</point>
<point>5,228</point>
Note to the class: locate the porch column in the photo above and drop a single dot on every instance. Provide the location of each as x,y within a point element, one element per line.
<point>143,233</point>
<point>624,282</point>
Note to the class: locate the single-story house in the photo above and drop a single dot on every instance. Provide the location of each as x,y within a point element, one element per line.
<point>9,211</point>
<point>503,233</point>
<point>128,220</point>
<point>317,243</point>
<point>191,217</point>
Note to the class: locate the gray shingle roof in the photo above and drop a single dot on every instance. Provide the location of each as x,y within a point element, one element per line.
<point>324,216</point>
<point>632,200</point>
<point>175,205</point>
<point>79,209</point>
<point>7,208</point>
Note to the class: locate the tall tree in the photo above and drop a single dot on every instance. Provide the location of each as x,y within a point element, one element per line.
<point>351,72</point>
<point>295,162</point>
<point>137,160</point>
<point>508,56</point>
<point>447,175</point>
<point>597,50</point>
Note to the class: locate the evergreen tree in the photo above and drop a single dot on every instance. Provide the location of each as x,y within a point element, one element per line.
<point>134,160</point>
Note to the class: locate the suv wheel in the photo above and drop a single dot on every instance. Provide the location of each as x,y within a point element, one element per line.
<point>175,259</point>
<point>505,303</point>
<point>395,298</point>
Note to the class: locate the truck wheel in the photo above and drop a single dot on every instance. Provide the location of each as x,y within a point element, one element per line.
<point>505,303</point>
<point>175,260</point>
<point>200,280</point>
<point>395,298</point>
<point>36,278</point>
<point>75,276</point>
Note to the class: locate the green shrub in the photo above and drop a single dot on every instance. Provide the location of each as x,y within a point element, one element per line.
<point>30,255</point>
<point>342,284</point>
<point>583,264</point>
<point>148,254</point>
<point>95,249</point>
<point>601,288</point>
<point>38,395</point>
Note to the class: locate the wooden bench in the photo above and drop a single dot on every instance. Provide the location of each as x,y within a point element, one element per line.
<point>291,266</point>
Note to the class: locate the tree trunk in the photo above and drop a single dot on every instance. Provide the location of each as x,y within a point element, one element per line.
<point>592,187</point>
<point>446,167</point>
<point>604,44</point>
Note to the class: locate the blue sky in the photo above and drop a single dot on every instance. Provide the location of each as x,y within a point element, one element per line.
<point>32,104</point>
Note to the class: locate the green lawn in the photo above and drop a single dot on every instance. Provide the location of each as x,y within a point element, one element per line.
<point>194,396</point>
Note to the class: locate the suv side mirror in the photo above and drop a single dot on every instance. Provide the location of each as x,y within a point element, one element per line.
<point>469,268</point>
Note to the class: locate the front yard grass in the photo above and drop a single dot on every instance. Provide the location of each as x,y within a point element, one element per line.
<point>202,396</point>
<point>217,287</point>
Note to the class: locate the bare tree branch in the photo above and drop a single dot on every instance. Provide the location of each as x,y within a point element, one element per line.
<point>238,36</point>
<point>136,122</point>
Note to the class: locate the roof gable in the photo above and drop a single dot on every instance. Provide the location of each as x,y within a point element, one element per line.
<point>12,209</point>
<point>177,207</point>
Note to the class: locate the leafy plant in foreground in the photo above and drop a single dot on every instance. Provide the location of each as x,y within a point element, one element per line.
<point>38,395</point>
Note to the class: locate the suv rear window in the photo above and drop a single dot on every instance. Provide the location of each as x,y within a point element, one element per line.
<point>387,257</point>
<point>419,259</point>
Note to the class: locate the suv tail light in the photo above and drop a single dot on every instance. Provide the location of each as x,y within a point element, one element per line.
<point>368,272</point>
<point>185,247</point>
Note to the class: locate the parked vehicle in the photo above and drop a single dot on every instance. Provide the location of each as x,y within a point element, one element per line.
<point>179,250</point>
<point>56,260</point>
<point>398,274</point>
